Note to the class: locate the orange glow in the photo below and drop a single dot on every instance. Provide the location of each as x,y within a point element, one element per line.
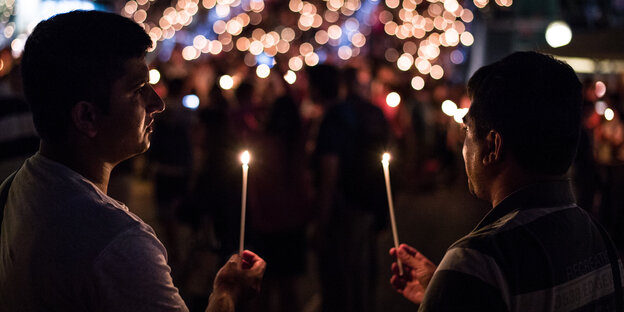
<point>242,44</point>
<point>321,37</point>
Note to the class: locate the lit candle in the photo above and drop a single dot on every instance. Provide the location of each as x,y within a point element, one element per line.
<point>245,160</point>
<point>385,160</point>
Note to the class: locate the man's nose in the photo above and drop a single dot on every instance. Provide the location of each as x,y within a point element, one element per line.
<point>156,104</point>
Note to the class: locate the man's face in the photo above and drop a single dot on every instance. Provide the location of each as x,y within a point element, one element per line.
<point>126,128</point>
<point>473,152</point>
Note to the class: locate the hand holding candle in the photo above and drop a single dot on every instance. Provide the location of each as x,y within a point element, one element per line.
<point>245,161</point>
<point>385,161</point>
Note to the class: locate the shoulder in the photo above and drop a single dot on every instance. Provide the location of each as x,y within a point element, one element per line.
<point>466,280</point>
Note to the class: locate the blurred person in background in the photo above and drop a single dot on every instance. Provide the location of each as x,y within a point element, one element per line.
<point>279,198</point>
<point>536,249</point>
<point>171,159</point>
<point>18,137</point>
<point>350,196</point>
<point>65,245</point>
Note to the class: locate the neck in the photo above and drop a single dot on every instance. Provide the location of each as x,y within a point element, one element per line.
<point>80,159</point>
<point>512,179</point>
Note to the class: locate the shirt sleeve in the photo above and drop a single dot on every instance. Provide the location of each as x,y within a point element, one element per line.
<point>465,280</point>
<point>133,275</point>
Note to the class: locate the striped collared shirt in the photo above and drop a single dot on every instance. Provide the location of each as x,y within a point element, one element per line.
<point>535,251</point>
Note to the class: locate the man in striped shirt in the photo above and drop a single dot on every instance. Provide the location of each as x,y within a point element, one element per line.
<point>536,250</point>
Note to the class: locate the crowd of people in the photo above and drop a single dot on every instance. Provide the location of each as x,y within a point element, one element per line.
<point>315,180</point>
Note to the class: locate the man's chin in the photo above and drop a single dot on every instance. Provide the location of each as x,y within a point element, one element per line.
<point>471,189</point>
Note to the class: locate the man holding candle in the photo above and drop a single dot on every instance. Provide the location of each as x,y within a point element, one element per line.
<point>65,245</point>
<point>536,250</point>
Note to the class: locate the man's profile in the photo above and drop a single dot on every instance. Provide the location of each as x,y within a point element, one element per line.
<point>65,245</point>
<point>535,250</point>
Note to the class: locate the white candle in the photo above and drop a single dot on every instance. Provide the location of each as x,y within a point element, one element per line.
<point>245,160</point>
<point>385,160</point>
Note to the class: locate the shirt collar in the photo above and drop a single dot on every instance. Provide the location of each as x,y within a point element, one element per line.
<point>542,194</point>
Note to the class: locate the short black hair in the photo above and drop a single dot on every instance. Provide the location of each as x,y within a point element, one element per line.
<point>534,101</point>
<point>73,57</point>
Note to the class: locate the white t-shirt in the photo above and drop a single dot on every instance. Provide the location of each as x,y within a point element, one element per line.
<point>67,246</point>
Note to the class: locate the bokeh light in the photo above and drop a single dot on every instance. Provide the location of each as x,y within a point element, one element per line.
<point>393,99</point>
<point>263,70</point>
<point>290,77</point>
<point>600,107</point>
<point>154,76</point>
<point>459,115</point>
<point>558,34</point>
<point>190,101</point>
<point>449,107</point>
<point>601,89</point>
<point>418,83</point>
<point>226,82</point>
<point>609,114</point>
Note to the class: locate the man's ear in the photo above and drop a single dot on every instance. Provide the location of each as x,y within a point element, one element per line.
<point>84,116</point>
<point>493,148</point>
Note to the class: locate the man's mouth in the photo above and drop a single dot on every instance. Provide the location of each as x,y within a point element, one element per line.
<point>150,127</point>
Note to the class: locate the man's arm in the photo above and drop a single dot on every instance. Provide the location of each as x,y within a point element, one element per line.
<point>237,282</point>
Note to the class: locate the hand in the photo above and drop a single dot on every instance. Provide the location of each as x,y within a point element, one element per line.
<point>240,278</point>
<point>417,273</point>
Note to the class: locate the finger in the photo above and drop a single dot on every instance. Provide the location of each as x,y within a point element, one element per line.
<point>259,266</point>
<point>409,259</point>
<point>392,252</point>
<point>406,270</point>
<point>250,256</point>
<point>252,260</point>
<point>408,249</point>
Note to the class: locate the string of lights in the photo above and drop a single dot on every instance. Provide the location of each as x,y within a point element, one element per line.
<point>310,32</point>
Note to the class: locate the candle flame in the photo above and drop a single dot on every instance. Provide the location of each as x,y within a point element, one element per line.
<point>385,158</point>
<point>244,158</point>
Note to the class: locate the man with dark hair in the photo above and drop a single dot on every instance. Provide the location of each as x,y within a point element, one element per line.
<point>65,245</point>
<point>536,250</point>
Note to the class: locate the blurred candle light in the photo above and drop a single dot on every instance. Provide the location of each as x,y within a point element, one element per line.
<point>558,34</point>
<point>449,107</point>
<point>295,63</point>
<point>226,82</point>
<point>600,107</point>
<point>418,83</point>
<point>609,114</point>
<point>393,99</point>
<point>405,61</point>
<point>154,76</point>
<point>312,59</point>
<point>345,52</point>
<point>385,162</point>
<point>263,70</point>
<point>466,38</point>
<point>290,77</point>
<point>601,89</point>
<point>436,72</point>
<point>459,115</point>
<point>244,158</point>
